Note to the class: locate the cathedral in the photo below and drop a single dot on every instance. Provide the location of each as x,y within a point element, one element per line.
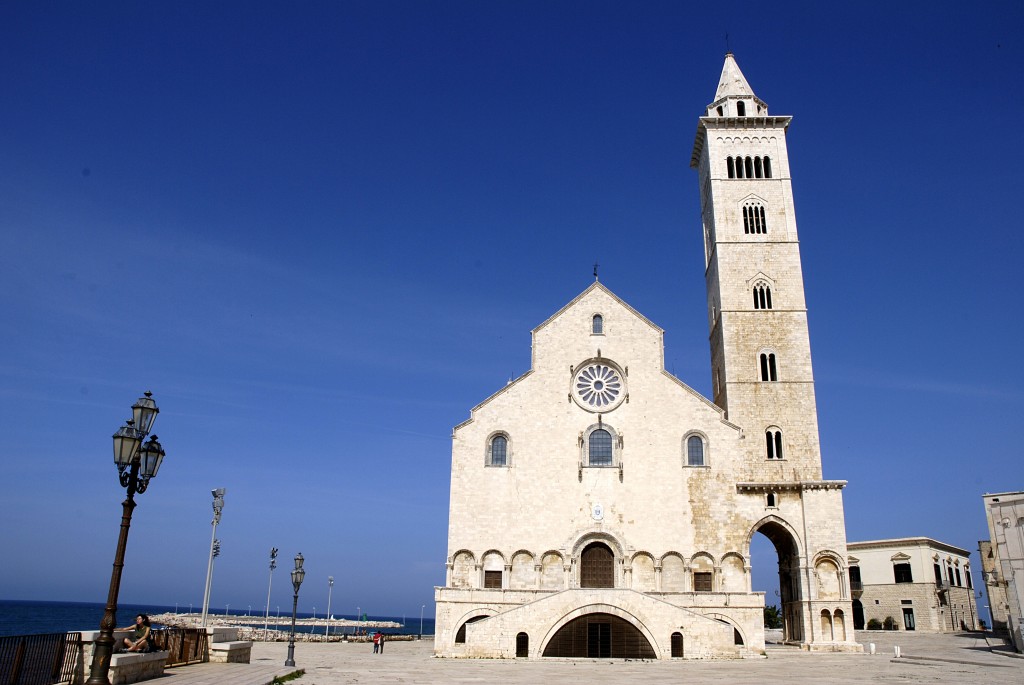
<point>602,508</point>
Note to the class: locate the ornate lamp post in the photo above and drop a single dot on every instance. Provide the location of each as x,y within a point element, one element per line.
<point>273,565</point>
<point>330,589</point>
<point>136,465</point>
<point>298,575</point>
<point>218,507</point>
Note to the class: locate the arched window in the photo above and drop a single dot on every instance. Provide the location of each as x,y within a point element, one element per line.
<point>739,167</point>
<point>771,500</point>
<point>600,452</point>
<point>729,164</point>
<point>767,167</point>
<point>497,450</point>
<point>598,325</point>
<point>749,167</point>
<point>753,219</point>
<point>762,296</point>
<point>719,108</point>
<point>757,167</point>
<point>773,443</point>
<point>741,109</point>
<point>768,370</point>
<point>695,451</point>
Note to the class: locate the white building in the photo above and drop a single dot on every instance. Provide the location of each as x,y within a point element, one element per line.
<point>601,507</point>
<point>1005,582</point>
<point>914,583</point>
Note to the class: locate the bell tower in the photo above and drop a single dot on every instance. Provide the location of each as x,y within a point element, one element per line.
<point>760,351</point>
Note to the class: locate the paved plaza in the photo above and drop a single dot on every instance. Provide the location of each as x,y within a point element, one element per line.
<point>964,658</point>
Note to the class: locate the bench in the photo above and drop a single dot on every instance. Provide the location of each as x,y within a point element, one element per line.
<point>132,667</point>
<point>236,652</point>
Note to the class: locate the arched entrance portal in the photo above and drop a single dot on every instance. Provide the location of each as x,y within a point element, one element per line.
<point>600,636</point>
<point>789,587</point>
<point>597,566</point>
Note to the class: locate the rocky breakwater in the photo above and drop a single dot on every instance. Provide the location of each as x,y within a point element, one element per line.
<point>251,627</point>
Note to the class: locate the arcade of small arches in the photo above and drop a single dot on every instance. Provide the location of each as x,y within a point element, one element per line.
<point>598,565</point>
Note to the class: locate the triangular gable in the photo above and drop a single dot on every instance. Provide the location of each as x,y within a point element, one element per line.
<point>597,285</point>
<point>900,556</point>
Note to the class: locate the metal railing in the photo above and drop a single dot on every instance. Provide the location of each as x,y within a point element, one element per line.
<point>44,659</point>
<point>184,645</point>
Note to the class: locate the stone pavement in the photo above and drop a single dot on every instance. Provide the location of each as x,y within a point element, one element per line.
<point>926,659</point>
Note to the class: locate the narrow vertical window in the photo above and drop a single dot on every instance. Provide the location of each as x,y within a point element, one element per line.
<point>757,167</point>
<point>763,223</point>
<point>598,325</point>
<point>772,374</point>
<point>757,304</point>
<point>749,167</point>
<point>768,297</point>
<point>773,443</point>
<point>739,167</point>
<point>499,451</point>
<point>764,366</point>
<point>767,167</point>
<point>746,220</point>
<point>770,499</point>
<point>741,109</point>
<point>694,451</point>
<point>720,112</point>
<point>729,164</point>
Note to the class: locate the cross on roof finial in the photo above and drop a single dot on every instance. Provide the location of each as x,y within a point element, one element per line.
<point>728,50</point>
<point>596,265</point>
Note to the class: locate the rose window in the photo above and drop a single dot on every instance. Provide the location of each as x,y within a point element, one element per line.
<point>598,386</point>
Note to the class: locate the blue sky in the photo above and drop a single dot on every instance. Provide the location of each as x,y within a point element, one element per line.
<point>321,232</point>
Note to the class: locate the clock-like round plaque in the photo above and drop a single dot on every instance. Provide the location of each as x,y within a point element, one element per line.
<point>598,386</point>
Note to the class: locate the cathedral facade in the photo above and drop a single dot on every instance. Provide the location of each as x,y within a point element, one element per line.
<point>600,507</point>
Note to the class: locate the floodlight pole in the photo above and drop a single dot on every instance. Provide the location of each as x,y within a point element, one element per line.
<point>218,507</point>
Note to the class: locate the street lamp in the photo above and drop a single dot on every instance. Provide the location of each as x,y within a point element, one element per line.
<point>422,607</point>
<point>136,465</point>
<point>270,584</point>
<point>218,507</point>
<point>330,589</point>
<point>298,574</point>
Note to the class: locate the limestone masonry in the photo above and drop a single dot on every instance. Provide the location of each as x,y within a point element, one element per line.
<point>600,507</point>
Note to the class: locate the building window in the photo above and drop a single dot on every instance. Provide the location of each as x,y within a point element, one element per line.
<point>598,325</point>
<point>902,574</point>
<point>753,219</point>
<point>762,296</point>
<point>741,109</point>
<point>600,448</point>
<point>702,582</point>
<point>938,574</point>
<point>731,167</point>
<point>768,369</point>
<point>773,443</point>
<point>694,451</point>
<point>958,583</point>
<point>492,579</point>
<point>767,167</point>
<point>967,574</point>
<point>497,450</point>
<point>771,501</point>
<point>749,167</point>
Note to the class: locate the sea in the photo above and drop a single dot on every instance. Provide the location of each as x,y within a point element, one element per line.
<point>29,617</point>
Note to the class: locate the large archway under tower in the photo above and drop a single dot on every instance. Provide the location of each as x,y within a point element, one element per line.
<point>773,534</point>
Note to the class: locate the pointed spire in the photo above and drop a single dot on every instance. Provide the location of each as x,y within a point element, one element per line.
<point>732,82</point>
